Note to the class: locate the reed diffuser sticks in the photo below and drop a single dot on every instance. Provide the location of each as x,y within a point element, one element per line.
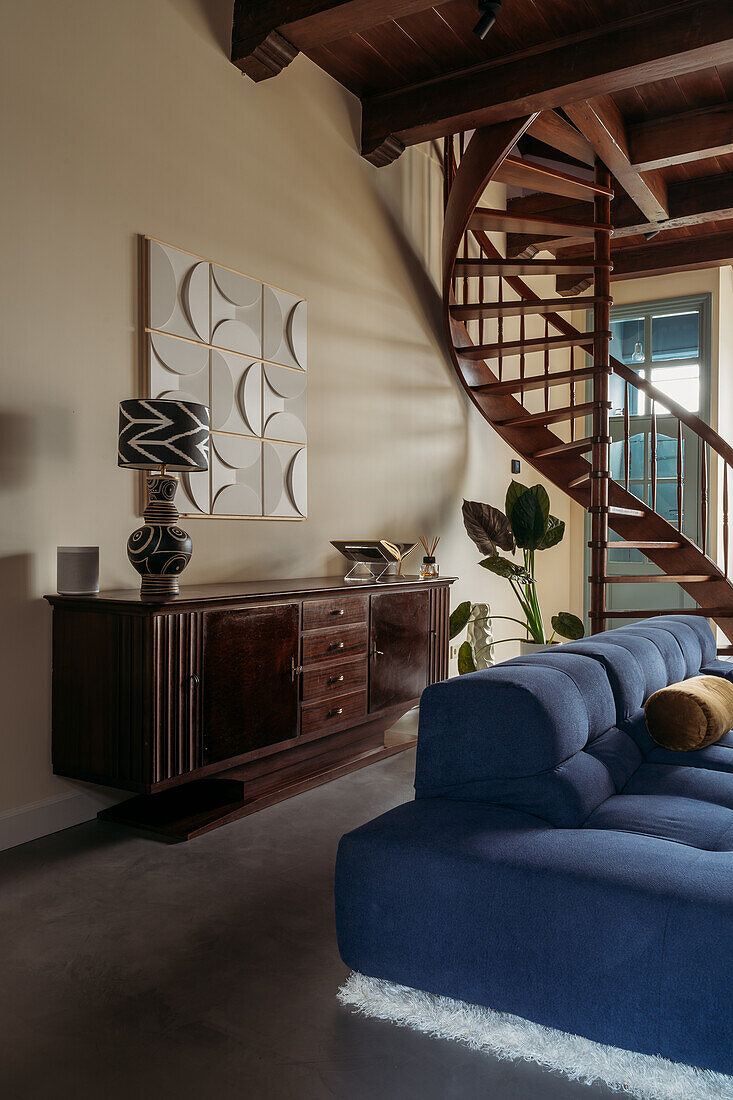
<point>428,568</point>
<point>429,545</point>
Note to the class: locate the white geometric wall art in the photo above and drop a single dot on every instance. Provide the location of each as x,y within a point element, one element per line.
<point>284,477</point>
<point>236,475</point>
<point>236,312</point>
<point>236,394</point>
<point>178,292</point>
<point>178,368</point>
<point>284,328</point>
<point>283,404</point>
<point>239,346</point>
<point>194,495</point>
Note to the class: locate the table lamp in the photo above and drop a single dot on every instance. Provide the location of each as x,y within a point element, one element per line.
<point>168,437</point>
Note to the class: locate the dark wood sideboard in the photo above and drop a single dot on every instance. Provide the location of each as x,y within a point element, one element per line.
<point>228,698</point>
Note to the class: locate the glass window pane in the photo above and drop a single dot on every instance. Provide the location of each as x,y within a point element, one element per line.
<point>622,557</point>
<point>627,343</point>
<point>667,456</point>
<point>667,501</point>
<point>636,456</point>
<point>682,384</point>
<point>616,394</point>
<point>676,336</point>
<point>639,490</point>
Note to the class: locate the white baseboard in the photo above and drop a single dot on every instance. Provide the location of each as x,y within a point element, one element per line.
<point>50,815</point>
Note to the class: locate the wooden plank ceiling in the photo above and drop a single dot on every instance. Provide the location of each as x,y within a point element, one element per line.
<point>646,85</point>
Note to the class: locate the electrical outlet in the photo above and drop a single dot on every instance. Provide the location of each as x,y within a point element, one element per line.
<point>454,653</point>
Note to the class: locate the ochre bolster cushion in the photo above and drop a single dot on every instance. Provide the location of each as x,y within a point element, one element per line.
<point>692,714</point>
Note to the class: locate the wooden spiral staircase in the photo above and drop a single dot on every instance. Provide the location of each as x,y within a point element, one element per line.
<point>484,295</point>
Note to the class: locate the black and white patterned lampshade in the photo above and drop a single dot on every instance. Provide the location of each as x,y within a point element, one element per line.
<point>169,433</point>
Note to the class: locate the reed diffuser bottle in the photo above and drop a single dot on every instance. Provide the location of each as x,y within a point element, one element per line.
<point>429,566</point>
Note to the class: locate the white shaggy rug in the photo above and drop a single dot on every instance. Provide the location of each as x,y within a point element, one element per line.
<point>647,1077</point>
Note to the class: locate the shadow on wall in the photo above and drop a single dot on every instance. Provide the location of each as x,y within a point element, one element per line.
<point>25,669</point>
<point>16,449</point>
<point>215,15</point>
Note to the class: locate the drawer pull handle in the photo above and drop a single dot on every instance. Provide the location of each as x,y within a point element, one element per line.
<point>336,645</point>
<point>335,679</point>
<point>335,713</point>
<point>337,611</point>
<point>195,679</point>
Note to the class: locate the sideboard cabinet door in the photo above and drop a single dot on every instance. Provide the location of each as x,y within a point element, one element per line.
<point>250,695</point>
<point>399,648</point>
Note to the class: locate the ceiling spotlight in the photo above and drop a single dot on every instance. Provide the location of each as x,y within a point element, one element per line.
<point>489,9</point>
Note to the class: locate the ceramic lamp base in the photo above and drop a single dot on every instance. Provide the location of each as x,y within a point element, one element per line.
<point>158,586</point>
<point>160,550</point>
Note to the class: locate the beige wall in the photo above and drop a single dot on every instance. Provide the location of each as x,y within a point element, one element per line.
<point>120,119</point>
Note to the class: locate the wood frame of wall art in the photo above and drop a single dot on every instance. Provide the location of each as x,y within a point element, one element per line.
<point>238,345</point>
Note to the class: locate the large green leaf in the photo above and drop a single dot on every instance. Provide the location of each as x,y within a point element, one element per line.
<point>466,660</point>
<point>555,533</point>
<point>568,626</point>
<point>459,618</point>
<point>487,527</point>
<point>529,515</point>
<point>507,569</point>
<point>513,494</point>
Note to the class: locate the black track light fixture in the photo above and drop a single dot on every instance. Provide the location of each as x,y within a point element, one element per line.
<point>488,9</point>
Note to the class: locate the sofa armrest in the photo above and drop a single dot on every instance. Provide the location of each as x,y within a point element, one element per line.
<point>718,667</point>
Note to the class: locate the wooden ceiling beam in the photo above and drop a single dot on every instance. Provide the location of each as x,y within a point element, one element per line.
<point>660,258</point>
<point>691,202</point>
<point>680,139</point>
<point>603,125</point>
<point>682,37</point>
<point>268,34</point>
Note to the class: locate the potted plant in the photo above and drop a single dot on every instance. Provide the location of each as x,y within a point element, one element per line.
<point>526,525</point>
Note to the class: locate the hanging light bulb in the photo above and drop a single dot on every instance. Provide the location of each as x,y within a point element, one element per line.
<point>638,356</point>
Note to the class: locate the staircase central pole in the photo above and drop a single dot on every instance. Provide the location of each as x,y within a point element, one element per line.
<point>600,453</point>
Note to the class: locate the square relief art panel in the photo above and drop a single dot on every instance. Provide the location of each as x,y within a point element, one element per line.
<point>238,345</point>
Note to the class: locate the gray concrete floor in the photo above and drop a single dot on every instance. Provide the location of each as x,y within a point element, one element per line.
<point>133,968</point>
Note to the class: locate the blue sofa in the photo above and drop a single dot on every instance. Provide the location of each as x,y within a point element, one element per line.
<point>556,863</point>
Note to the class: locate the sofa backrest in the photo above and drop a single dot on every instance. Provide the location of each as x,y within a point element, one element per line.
<point>642,657</point>
<point>517,734</point>
<point>556,733</point>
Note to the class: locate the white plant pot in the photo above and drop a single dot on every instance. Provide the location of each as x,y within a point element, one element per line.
<point>526,649</point>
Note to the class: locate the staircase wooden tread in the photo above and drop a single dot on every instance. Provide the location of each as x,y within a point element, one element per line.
<point>553,416</point>
<point>557,450</point>
<point>477,310</point>
<point>637,613</point>
<point>658,578</point>
<point>474,266</point>
<point>540,177</point>
<point>520,347</point>
<point>503,220</point>
<point>643,544</point>
<point>535,382</point>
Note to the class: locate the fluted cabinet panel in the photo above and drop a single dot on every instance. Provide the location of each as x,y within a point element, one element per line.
<point>177,649</point>
<point>438,616</point>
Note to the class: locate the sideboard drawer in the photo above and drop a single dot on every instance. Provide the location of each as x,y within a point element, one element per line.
<point>326,680</point>
<point>332,712</point>
<point>334,644</point>
<point>340,611</point>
